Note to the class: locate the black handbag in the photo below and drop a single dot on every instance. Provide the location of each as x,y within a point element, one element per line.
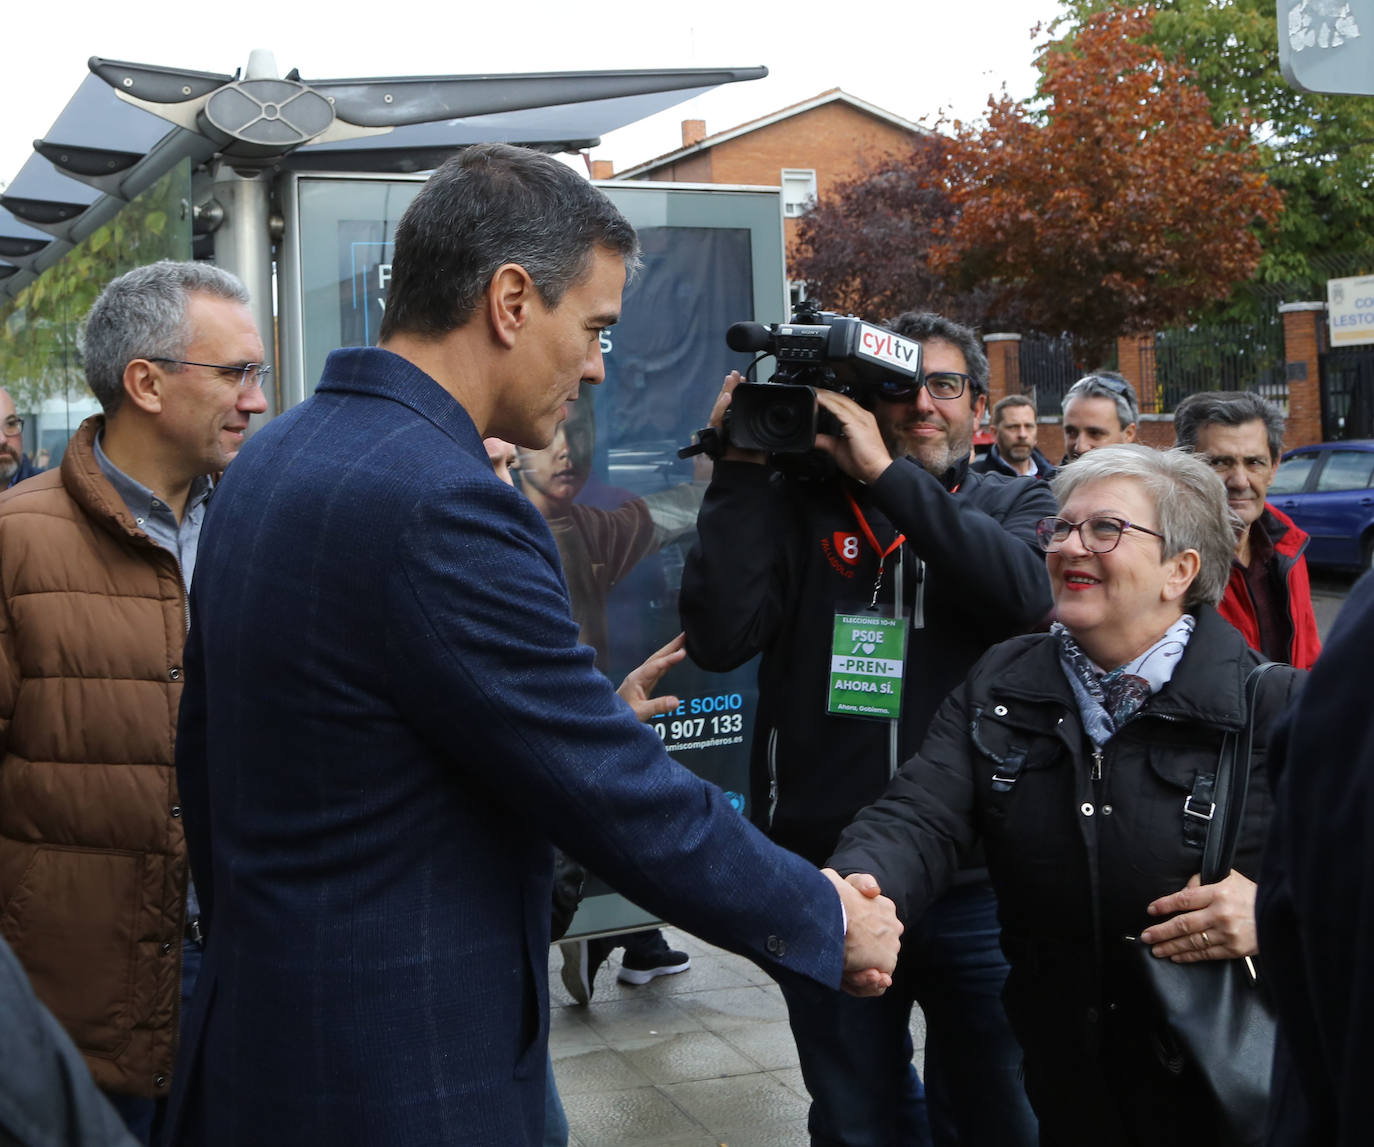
<point>1214,1010</point>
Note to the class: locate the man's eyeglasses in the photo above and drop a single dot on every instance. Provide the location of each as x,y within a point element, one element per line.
<point>245,374</point>
<point>941,384</point>
<point>13,426</point>
<point>1099,534</point>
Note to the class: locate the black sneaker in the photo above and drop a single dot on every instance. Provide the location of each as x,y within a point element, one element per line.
<point>581,959</point>
<point>647,955</point>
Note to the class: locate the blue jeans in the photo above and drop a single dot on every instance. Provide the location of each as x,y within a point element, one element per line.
<point>143,1115</point>
<point>856,1054</point>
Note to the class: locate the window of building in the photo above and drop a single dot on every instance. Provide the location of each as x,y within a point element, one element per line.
<point>798,190</point>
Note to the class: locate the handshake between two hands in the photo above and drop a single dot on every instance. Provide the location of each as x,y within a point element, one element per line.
<point>872,937</point>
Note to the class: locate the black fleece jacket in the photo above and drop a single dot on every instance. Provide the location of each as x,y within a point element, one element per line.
<point>777,557</point>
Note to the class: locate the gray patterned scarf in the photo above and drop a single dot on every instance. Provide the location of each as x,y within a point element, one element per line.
<point>1108,699</point>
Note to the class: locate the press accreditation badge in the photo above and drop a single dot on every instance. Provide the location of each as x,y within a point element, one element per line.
<point>867,662</point>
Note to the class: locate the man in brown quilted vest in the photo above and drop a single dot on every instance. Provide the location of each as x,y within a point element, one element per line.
<point>96,559</point>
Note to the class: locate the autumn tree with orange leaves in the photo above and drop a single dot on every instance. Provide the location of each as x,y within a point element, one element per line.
<point>865,247</point>
<point>1114,205</point>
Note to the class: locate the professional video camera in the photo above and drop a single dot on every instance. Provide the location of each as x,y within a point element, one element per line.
<point>816,349</point>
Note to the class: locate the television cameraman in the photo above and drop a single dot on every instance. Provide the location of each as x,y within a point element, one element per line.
<point>778,558</point>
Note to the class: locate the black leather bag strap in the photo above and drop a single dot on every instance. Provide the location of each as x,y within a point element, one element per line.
<point>1232,785</point>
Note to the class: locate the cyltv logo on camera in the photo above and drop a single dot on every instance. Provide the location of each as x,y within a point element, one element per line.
<point>886,348</point>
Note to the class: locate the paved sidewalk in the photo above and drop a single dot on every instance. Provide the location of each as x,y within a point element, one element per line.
<point>700,1059</point>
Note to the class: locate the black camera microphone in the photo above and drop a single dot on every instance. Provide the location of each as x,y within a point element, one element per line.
<point>749,338</point>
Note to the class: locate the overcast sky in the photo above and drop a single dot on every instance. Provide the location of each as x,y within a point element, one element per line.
<point>911,57</point>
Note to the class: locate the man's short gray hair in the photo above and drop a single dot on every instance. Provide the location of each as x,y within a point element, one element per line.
<point>923,325</point>
<point>1107,384</point>
<point>1190,503</point>
<point>143,314</point>
<point>1227,408</point>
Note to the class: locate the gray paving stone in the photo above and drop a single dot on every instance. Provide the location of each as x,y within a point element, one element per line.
<point>742,967</point>
<point>793,1133</point>
<point>770,1044</point>
<point>640,1115</point>
<point>641,1018</point>
<point>568,1028</point>
<point>690,1139</point>
<point>686,1056</point>
<point>740,1101</point>
<point>791,1078</point>
<point>598,1069</point>
<point>727,1008</point>
<point>918,1029</point>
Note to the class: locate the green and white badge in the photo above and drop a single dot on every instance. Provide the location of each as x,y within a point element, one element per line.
<point>867,662</point>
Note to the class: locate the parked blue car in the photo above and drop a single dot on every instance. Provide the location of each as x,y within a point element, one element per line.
<point>1326,490</point>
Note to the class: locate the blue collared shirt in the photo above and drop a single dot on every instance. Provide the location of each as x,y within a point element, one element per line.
<point>155,518</point>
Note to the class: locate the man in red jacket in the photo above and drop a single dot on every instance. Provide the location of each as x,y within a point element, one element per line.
<point>1268,598</point>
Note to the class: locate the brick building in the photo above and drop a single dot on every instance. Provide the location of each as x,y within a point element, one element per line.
<point>806,149</point>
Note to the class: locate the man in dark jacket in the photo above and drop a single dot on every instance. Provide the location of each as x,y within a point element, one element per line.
<point>388,717</point>
<point>1015,453</point>
<point>1315,905</point>
<point>951,555</point>
<point>15,465</point>
<point>1268,597</point>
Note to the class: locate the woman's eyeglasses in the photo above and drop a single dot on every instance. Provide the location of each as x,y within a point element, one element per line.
<point>1100,534</point>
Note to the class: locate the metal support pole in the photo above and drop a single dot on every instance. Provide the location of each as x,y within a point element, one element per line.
<point>243,245</point>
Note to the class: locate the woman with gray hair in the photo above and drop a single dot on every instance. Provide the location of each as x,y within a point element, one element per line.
<point>1083,757</point>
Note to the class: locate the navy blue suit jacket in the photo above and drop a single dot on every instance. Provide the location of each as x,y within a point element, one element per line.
<point>1315,905</point>
<point>387,718</point>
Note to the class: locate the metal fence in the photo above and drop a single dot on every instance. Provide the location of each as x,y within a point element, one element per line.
<point>1229,356</point>
<point>1048,367</point>
<point>1347,393</point>
<point>1171,366</point>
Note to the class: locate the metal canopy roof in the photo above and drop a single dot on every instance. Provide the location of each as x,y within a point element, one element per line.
<point>128,124</point>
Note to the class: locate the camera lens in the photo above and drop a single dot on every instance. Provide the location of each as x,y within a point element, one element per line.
<point>772,417</point>
<point>779,422</point>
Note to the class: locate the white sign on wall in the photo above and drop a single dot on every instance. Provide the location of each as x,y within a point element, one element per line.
<point>1350,310</point>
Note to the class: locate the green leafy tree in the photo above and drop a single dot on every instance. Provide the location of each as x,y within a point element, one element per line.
<point>1114,204</point>
<point>1316,148</point>
<point>40,328</point>
<point>866,247</point>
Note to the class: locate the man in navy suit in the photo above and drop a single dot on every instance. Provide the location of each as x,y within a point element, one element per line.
<point>388,717</point>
